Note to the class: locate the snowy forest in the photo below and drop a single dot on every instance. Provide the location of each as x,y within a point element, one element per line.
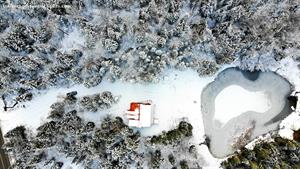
<point>63,42</point>
<point>50,44</point>
<point>111,145</point>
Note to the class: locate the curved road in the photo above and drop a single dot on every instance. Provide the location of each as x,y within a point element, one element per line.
<point>4,160</point>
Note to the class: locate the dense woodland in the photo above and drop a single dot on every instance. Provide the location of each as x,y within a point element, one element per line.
<point>278,154</point>
<point>46,44</point>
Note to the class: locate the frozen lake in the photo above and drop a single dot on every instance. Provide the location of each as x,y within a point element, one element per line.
<point>237,101</point>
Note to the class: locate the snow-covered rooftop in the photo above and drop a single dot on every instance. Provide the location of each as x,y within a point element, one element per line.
<point>140,115</point>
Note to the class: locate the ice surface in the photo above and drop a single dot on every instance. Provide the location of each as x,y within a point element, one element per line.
<point>269,87</point>
<point>234,100</point>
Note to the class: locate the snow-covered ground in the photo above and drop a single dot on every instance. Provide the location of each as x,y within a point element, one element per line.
<point>176,96</point>
<point>289,125</point>
<point>226,100</point>
<point>73,40</point>
<point>290,70</point>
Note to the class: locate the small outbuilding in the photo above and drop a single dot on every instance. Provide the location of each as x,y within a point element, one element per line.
<point>141,114</point>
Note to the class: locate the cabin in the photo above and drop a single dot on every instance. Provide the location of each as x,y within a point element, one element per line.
<point>141,114</point>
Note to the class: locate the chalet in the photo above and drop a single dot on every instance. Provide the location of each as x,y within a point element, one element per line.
<point>140,114</point>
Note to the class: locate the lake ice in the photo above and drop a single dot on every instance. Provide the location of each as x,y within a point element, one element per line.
<point>237,101</point>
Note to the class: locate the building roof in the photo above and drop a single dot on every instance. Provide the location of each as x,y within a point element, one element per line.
<point>140,114</point>
<point>146,115</point>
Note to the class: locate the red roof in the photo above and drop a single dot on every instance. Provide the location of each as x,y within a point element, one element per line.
<point>139,114</point>
<point>136,105</point>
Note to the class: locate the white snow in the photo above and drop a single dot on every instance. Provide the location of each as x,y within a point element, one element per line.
<point>212,163</point>
<point>34,113</point>
<point>226,102</point>
<point>289,69</point>
<point>265,62</point>
<point>73,40</point>
<point>289,125</point>
<point>176,96</point>
<point>67,161</point>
